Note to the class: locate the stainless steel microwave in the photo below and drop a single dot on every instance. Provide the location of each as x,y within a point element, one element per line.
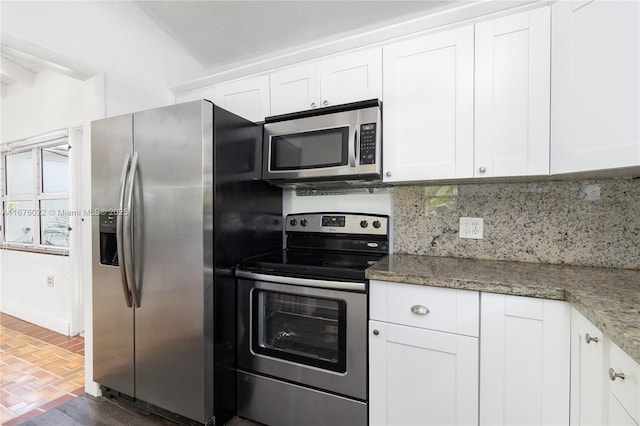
<point>338,143</point>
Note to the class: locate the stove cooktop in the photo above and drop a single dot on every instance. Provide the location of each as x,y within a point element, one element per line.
<point>333,246</point>
<point>313,264</point>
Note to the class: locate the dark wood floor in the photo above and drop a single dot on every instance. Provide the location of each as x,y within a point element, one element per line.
<point>86,410</point>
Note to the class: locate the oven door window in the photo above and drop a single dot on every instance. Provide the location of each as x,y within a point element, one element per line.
<point>310,150</point>
<point>303,329</point>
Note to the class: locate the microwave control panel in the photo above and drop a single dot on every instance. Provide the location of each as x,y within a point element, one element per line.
<point>368,143</point>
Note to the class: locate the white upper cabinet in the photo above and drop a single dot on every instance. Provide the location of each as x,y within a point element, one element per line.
<point>512,95</point>
<point>428,107</point>
<point>595,99</point>
<point>248,98</point>
<point>295,89</point>
<point>346,78</point>
<point>442,123</point>
<point>353,77</point>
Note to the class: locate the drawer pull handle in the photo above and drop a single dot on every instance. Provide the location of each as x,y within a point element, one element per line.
<point>419,310</point>
<point>590,339</point>
<point>376,332</point>
<point>613,375</point>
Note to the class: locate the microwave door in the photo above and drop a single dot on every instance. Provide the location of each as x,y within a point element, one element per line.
<point>318,153</point>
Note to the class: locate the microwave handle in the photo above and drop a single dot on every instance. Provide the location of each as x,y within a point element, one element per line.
<point>353,142</point>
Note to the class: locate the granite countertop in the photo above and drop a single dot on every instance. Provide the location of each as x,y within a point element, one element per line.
<point>608,297</point>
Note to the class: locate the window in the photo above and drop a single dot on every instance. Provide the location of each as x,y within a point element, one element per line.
<point>35,194</point>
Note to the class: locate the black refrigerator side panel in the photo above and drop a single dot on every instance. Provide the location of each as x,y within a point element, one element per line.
<point>248,211</point>
<point>247,221</point>
<point>113,320</point>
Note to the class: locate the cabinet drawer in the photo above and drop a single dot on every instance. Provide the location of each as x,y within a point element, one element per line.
<point>441,309</point>
<point>626,391</point>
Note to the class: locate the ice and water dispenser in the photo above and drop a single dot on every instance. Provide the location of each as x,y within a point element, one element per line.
<point>108,240</point>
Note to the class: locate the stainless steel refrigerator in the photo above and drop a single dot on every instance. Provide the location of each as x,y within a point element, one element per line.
<point>177,201</point>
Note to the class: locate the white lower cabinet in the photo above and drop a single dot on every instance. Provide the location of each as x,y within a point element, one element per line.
<point>589,380</point>
<point>624,388</point>
<point>419,374</point>
<point>524,361</point>
<point>440,356</point>
<point>605,381</point>
<point>421,377</point>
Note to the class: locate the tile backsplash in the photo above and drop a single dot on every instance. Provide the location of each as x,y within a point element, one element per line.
<point>590,223</point>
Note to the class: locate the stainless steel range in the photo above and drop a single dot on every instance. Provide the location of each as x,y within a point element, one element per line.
<point>302,322</point>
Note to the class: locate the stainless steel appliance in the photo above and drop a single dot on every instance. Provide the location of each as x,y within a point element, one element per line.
<point>339,143</point>
<point>180,203</point>
<point>302,322</point>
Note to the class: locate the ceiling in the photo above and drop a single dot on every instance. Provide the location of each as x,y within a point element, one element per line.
<point>224,33</point>
<point>16,67</point>
<point>219,33</point>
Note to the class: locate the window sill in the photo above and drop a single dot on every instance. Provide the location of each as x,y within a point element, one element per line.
<point>57,251</point>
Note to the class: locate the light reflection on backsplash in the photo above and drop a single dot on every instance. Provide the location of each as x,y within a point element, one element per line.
<point>591,223</point>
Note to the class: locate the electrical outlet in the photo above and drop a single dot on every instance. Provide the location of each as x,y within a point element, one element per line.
<point>471,227</point>
<point>49,280</point>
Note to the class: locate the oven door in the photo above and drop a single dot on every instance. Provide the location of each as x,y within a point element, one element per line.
<point>311,336</point>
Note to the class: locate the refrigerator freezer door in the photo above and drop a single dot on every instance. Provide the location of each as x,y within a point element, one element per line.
<point>111,143</point>
<point>173,188</point>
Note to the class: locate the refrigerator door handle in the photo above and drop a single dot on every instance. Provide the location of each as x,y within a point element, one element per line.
<point>119,231</point>
<point>128,240</point>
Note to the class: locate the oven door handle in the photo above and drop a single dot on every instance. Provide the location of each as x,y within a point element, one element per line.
<point>337,285</point>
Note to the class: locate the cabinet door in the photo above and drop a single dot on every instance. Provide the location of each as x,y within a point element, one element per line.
<point>248,98</point>
<point>428,107</point>
<point>618,416</point>
<point>624,393</point>
<point>295,89</point>
<point>588,373</point>
<point>352,77</point>
<point>595,98</point>
<point>421,377</point>
<point>524,361</point>
<point>512,95</point>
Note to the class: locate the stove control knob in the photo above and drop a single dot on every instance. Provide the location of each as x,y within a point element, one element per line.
<point>364,224</point>
<point>303,222</point>
<point>376,224</point>
<point>293,222</point>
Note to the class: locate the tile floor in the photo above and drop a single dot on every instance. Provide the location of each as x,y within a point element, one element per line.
<point>39,369</point>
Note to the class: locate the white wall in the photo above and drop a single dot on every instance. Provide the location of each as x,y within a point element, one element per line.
<point>54,102</point>
<point>140,60</point>
<point>358,202</point>
<point>25,293</point>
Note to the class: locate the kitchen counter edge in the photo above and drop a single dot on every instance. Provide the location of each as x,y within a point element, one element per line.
<point>608,297</point>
